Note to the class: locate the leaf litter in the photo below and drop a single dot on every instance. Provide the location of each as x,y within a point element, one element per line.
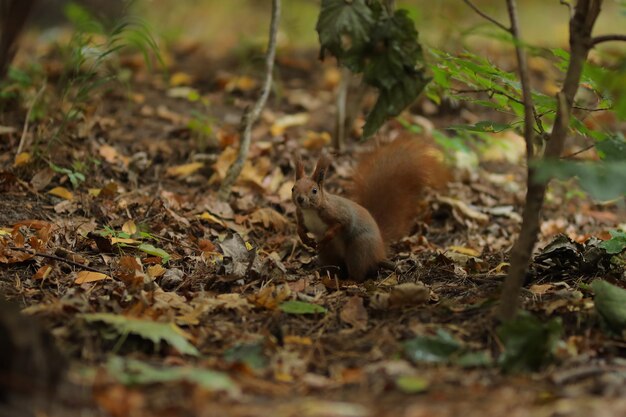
<point>190,297</point>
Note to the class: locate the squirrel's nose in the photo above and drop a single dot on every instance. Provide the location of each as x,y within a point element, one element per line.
<point>300,199</point>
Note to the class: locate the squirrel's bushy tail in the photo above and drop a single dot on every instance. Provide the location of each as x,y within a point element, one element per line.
<point>389,180</point>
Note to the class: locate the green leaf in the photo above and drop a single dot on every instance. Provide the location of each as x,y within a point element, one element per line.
<point>151,250</point>
<point>474,359</point>
<point>411,384</point>
<point>343,26</point>
<point>603,180</point>
<point>156,332</point>
<point>395,66</point>
<point>134,372</point>
<point>432,349</point>
<point>528,343</point>
<point>616,244</point>
<point>301,307</point>
<point>251,354</point>
<point>610,302</point>
<point>612,147</point>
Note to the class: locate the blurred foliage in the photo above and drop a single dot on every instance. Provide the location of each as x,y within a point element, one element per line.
<point>367,38</point>
<point>610,303</point>
<point>529,343</point>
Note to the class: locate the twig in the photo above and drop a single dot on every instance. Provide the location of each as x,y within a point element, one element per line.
<point>527,98</point>
<point>56,258</point>
<point>581,24</point>
<point>20,147</point>
<point>251,115</point>
<point>579,151</point>
<point>608,38</point>
<point>342,98</point>
<point>486,16</point>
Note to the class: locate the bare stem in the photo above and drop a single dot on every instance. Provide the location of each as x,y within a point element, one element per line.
<point>22,143</point>
<point>581,23</point>
<point>486,16</point>
<point>56,258</point>
<point>608,38</point>
<point>251,114</point>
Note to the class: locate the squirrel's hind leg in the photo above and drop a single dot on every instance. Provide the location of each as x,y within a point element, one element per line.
<point>362,258</point>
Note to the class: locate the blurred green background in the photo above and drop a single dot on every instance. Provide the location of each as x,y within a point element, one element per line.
<point>224,24</point>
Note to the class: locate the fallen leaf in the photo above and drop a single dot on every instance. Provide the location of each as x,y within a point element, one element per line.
<point>62,192</point>
<point>83,277</point>
<point>180,78</point>
<point>269,218</point>
<point>42,178</point>
<point>43,272</point>
<point>314,141</point>
<point>464,250</point>
<point>182,171</point>
<point>408,294</point>
<point>129,227</point>
<point>147,329</point>
<point>287,121</point>
<point>22,159</point>
<point>301,307</point>
<point>155,271</point>
<point>270,297</point>
<point>354,313</point>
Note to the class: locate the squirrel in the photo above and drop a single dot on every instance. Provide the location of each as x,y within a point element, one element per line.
<point>387,183</point>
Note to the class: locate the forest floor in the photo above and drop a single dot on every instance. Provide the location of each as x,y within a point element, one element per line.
<point>110,223</point>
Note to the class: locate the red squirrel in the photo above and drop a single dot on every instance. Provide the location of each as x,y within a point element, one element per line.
<point>353,234</point>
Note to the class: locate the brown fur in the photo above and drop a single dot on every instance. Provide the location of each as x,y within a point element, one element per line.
<point>387,185</point>
<point>389,181</point>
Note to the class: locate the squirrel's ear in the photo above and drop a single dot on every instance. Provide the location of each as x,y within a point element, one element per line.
<point>321,168</point>
<point>299,167</point>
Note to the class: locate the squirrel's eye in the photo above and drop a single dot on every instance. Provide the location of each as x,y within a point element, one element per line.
<point>314,190</point>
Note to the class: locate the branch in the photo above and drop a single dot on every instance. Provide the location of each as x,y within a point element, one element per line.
<point>20,147</point>
<point>607,38</point>
<point>527,98</point>
<point>581,24</point>
<point>251,115</point>
<point>486,16</point>
<point>56,258</point>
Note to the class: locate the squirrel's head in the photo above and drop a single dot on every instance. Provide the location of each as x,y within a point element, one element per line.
<point>308,192</point>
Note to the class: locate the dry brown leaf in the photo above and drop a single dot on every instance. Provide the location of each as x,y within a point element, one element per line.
<point>109,153</point>
<point>270,296</point>
<point>180,78</point>
<point>297,340</point>
<point>314,141</point>
<point>83,277</point>
<point>354,313</point>
<point>287,121</point>
<point>43,272</point>
<point>42,178</point>
<point>182,171</point>
<point>155,271</point>
<point>464,250</point>
<point>269,218</point>
<point>62,192</point>
<point>408,294</point>
<point>22,158</point>
<point>243,83</point>
<point>211,218</point>
<point>464,210</point>
<point>540,289</point>
<point>129,227</point>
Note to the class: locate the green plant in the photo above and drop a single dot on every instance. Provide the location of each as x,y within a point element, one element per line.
<point>91,57</point>
<point>371,38</point>
<point>75,176</point>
